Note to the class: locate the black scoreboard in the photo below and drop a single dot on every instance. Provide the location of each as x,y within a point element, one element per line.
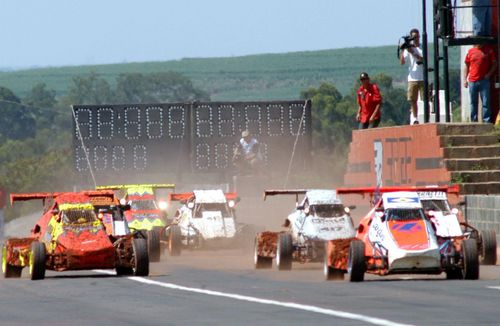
<point>187,137</point>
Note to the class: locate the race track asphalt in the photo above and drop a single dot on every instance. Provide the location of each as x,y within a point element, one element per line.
<point>221,287</point>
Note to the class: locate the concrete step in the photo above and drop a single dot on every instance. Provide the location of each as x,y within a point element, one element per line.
<point>474,164</point>
<point>483,188</point>
<point>467,140</point>
<point>475,176</point>
<point>472,151</point>
<point>464,128</point>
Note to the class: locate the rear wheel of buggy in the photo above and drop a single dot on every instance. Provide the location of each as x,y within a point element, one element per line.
<point>9,271</point>
<point>174,240</point>
<point>284,252</point>
<point>154,247</point>
<point>356,264</point>
<point>454,274</point>
<point>37,261</point>
<point>488,247</point>
<point>470,259</point>
<point>331,274</point>
<point>141,259</point>
<point>261,262</point>
<point>123,271</point>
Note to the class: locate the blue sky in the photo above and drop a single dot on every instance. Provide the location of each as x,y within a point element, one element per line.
<point>80,32</point>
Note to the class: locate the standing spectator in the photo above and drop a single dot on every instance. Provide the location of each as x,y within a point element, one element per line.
<point>369,101</point>
<point>413,55</point>
<point>480,63</point>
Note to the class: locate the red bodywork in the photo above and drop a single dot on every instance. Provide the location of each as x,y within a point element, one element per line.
<point>71,245</point>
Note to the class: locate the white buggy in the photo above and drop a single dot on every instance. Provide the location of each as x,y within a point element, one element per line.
<point>320,216</point>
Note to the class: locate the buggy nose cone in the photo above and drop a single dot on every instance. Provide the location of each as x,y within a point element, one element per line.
<point>416,260</point>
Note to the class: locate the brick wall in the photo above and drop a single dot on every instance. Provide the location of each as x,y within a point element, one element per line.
<point>483,212</point>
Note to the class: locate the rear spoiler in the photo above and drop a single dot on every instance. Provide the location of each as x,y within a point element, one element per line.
<point>44,195</point>
<point>31,196</point>
<point>295,192</point>
<point>152,185</point>
<point>180,196</point>
<point>231,196</point>
<point>453,189</point>
<point>186,195</point>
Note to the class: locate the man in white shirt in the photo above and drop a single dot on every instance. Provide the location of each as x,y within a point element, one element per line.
<point>247,154</point>
<point>413,55</point>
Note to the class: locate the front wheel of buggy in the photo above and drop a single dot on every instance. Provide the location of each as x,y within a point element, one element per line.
<point>174,240</point>
<point>332,274</point>
<point>488,247</point>
<point>284,252</point>
<point>124,271</point>
<point>470,259</point>
<point>37,261</point>
<point>154,247</point>
<point>141,258</point>
<point>9,271</point>
<point>356,264</point>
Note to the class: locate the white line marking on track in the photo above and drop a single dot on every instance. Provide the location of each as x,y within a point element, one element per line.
<point>494,287</point>
<point>292,305</point>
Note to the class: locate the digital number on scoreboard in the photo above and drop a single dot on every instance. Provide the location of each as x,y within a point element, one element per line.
<point>199,137</point>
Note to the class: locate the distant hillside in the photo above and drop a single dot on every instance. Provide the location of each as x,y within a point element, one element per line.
<point>255,77</point>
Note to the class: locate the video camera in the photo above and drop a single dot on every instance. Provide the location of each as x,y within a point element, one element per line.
<point>408,43</point>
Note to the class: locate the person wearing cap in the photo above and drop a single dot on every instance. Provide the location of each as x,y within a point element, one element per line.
<point>413,55</point>
<point>369,101</point>
<point>247,153</point>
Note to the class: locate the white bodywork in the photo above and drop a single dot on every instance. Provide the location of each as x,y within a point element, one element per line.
<point>445,222</point>
<point>209,224</point>
<point>306,227</point>
<point>209,196</point>
<point>408,257</point>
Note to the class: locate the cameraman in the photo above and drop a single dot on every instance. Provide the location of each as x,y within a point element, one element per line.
<point>413,54</point>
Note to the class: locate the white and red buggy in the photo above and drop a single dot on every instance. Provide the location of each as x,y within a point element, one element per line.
<point>319,217</point>
<point>396,237</point>
<point>437,207</point>
<point>206,218</point>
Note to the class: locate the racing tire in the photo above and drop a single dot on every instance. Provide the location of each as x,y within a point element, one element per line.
<point>124,271</point>
<point>488,247</point>
<point>332,274</point>
<point>174,240</point>
<point>284,252</point>
<point>37,261</point>
<point>141,258</point>
<point>470,259</point>
<point>9,271</point>
<point>356,265</point>
<point>454,274</point>
<point>261,262</point>
<point>154,248</point>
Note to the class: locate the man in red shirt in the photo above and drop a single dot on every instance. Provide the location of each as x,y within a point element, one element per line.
<point>369,101</point>
<point>480,63</point>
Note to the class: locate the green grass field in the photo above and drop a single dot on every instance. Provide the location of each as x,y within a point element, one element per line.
<point>254,77</point>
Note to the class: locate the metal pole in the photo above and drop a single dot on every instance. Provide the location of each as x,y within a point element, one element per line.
<point>446,83</point>
<point>426,72</point>
<point>436,66</point>
<point>497,85</point>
